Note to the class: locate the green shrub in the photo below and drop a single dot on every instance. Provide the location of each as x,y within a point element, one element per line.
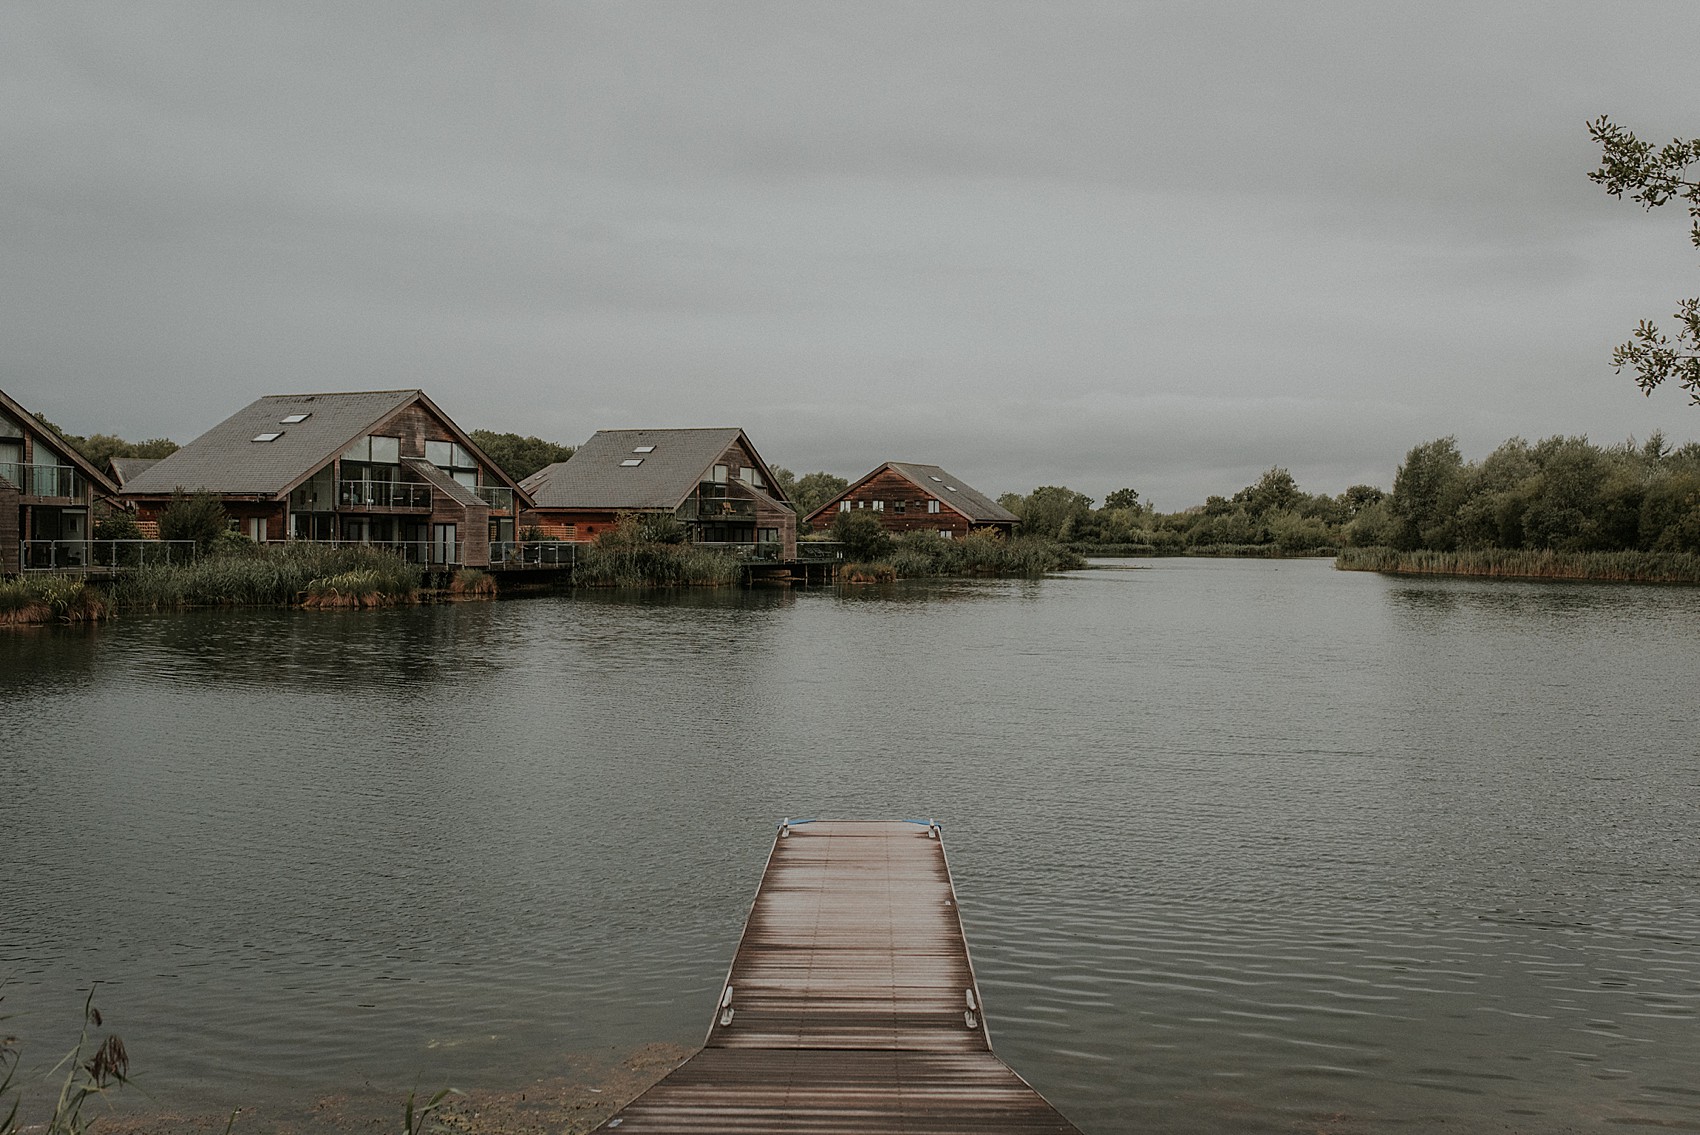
<point>193,516</point>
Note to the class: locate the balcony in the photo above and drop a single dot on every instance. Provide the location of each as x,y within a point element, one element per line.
<point>55,481</point>
<point>498,497</point>
<point>384,496</point>
<point>718,510</point>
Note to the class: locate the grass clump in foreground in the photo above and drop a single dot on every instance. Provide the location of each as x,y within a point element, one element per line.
<point>641,551</point>
<point>1529,563</point>
<point>280,575</point>
<point>49,599</point>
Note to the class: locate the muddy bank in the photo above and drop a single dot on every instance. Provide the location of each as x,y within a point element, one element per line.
<point>584,1093</point>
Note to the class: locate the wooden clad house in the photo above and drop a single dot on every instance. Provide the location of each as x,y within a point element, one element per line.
<point>374,466</point>
<point>713,480</point>
<point>47,496</point>
<point>907,497</point>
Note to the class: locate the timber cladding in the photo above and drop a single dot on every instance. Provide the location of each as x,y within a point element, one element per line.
<point>415,425</point>
<point>902,506</point>
<point>11,519</point>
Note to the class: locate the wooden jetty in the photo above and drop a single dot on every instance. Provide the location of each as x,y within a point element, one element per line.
<point>851,1005</point>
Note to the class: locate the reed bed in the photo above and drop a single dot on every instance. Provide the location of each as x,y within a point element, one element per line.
<point>1521,563</point>
<point>656,565</point>
<point>36,599</point>
<point>986,553</point>
<point>868,573</point>
<point>273,576</point>
<point>470,583</point>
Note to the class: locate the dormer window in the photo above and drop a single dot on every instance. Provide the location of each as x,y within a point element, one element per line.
<point>268,436</point>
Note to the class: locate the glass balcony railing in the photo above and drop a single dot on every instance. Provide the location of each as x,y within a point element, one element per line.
<point>410,495</point>
<point>73,555</point>
<point>709,510</point>
<point>508,554</point>
<point>43,480</point>
<point>496,496</point>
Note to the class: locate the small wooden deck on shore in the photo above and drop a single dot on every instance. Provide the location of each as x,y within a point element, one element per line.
<point>851,1005</point>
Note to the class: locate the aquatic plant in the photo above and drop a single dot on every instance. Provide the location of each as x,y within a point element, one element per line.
<point>38,599</point>
<point>470,583</point>
<point>280,574</point>
<point>1529,563</point>
<point>92,1069</point>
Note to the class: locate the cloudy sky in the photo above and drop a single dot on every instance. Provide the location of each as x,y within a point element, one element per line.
<point>1162,245</point>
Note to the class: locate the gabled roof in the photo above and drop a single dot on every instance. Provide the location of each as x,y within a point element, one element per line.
<point>955,493</point>
<point>127,469</point>
<point>596,476</point>
<point>61,448</point>
<point>229,461</point>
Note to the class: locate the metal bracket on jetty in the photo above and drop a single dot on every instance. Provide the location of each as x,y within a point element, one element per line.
<point>851,1005</point>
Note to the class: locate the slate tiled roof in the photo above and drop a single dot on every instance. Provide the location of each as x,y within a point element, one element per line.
<point>127,469</point>
<point>595,478</point>
<point>957,493</point>
<point>227,460</point>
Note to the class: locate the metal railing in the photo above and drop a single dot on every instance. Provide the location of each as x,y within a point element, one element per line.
<point>384,494</point>
<point>426,553</point>
<point>43,480</point>
<point>79,555</point>
<point>496,496</point>
<point>707,510</point>
<point>532,554</point>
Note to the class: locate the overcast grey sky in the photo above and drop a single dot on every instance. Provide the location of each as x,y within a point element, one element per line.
<point>1095,244</point>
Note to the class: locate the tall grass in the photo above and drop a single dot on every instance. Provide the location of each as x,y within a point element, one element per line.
<point>49,599</point>
<point>273,575</point>
<point>656,565</point>
<point>985,552</point>
<point>1524,563</point>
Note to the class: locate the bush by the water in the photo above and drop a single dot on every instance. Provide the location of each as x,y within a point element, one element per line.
<point>271,575</point>
<point>630,555</point>
<point>49,599</point>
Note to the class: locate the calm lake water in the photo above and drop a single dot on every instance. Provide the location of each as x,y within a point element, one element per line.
<point>1241,846</point>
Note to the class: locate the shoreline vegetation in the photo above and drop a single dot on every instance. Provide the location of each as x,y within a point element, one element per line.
<point>1524,563</point>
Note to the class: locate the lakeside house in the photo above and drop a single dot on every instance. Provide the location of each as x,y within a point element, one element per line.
<point>907,497</point>
<point>48,493</point>
<point>373,466</point>
<point>712,480</point>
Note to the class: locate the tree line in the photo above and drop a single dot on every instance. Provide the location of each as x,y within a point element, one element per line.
<point>1563,494</point>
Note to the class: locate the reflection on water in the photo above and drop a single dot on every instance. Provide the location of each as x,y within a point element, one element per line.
<point>1242,846</point>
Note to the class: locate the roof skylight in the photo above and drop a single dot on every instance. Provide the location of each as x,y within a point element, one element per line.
<point>940,480</point>
<point>268,436</point>
<point>644,449</point>
<point>291,419</point>
<point>631,462</point>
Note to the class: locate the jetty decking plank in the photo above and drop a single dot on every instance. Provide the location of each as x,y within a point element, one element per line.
<point>854,1006</point>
